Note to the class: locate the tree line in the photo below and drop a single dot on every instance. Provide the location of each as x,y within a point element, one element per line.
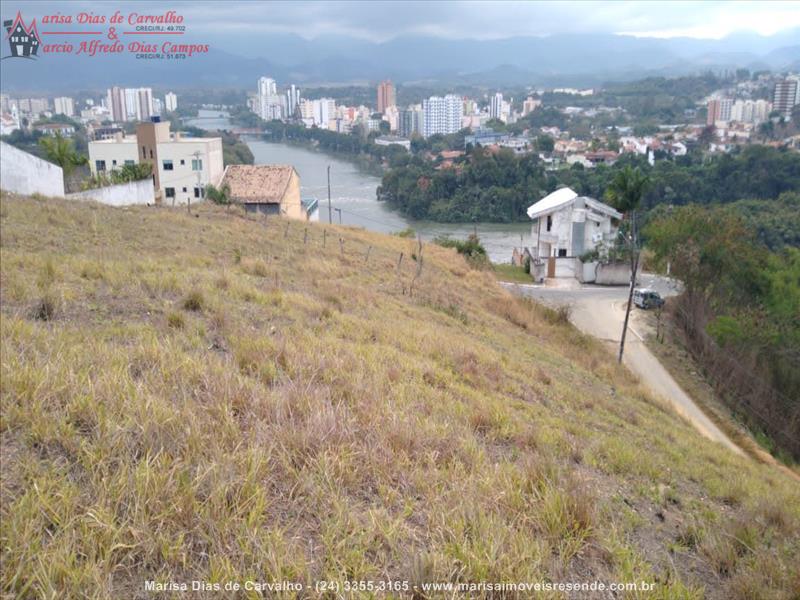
<point>499,186</point>
<point>740,311</point>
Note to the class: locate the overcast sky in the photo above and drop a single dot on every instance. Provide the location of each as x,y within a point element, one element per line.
<point>381,20</point>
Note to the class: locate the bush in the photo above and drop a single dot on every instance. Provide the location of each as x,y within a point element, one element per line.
<point>408,232</point>
<point>471,249</point>
<point>194,301</point>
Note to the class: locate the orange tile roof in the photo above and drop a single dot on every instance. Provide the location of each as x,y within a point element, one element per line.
<point>258,183</point>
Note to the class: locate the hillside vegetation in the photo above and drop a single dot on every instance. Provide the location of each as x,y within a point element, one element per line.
<point>218,398</point>
<point>500,186</point>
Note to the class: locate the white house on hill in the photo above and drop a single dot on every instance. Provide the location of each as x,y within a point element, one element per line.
<point>568,225</point>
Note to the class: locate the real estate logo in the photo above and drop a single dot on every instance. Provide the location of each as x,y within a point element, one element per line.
<point>23,40</point>
<point>92,34</point>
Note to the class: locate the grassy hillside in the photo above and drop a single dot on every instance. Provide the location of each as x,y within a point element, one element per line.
<point>210,397</point>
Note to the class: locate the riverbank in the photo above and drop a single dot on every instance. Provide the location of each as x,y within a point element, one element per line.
<point>364,162</point>
<point>354,201</point>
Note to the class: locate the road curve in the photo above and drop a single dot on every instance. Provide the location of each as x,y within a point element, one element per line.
<point>600,312</point>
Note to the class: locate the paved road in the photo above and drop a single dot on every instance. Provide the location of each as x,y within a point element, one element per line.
<point>600,312</point>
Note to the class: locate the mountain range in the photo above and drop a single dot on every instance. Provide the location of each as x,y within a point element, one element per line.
<point>569,59</point>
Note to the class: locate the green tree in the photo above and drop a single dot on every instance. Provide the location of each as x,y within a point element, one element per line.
<point>545,143</point>
<point>625,193</point>
<point>60,151</point>
<point>626,189</point>
<point>219,195</point>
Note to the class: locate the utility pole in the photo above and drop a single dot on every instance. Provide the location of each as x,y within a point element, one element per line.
<point>634,268</point>
<point>330,212</point>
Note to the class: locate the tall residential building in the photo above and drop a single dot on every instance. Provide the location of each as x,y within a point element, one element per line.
<point>392,116</point>
<point>442,114</point>
<point>786,95</point>
<point>145,108</point>
<point>750,111</point>
<point>386,95</point>
<point>496,106</point>
<point>719,110</point>
<point>64,106</point>
<point>529,105</point>
<point>182,166</point>
<point>130,104</point>
<point>270,105</point>
<point>32,106</point>
<point>324,111</point>
<point>170,102</point>
<point>411,121</point>
<point>116,104</point>
<point>267,87</point>
<point>292,100</point>
<point>318,113</point>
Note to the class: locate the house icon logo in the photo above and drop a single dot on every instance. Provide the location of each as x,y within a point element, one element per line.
<point>23,40</point>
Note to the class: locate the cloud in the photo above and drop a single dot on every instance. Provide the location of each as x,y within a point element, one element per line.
<point>379,21</point>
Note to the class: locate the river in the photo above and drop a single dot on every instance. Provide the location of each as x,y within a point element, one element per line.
<point>353,192</point>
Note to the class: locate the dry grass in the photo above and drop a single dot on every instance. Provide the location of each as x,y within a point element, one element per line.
<point>208,400</point>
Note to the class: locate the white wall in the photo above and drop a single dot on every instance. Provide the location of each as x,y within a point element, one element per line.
<point>565,267</point>
<point>24,173</point>
<point>618,273</point>
<point>134,192</point>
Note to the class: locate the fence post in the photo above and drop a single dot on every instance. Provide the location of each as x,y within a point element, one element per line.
<point>341,245</point>
<point>366,259</point>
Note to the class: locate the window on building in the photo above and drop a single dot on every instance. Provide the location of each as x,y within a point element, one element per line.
<point>144,152</point>
<point>184,190</point>
<point>113,163</point>
<point>199,192</point>
<point>562,251</point>
<point>197,164</point>
<point>169,192</point>
<point>130,162</point>
<point>549,222</point>
<point>168,166</point>
<point>151,153</point>
<point>100,165</point>
<point>183,162</point>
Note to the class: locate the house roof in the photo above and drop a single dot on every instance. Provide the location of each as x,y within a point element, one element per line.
<point>552,202</point>
<point>564,197</point>
<point>258,183</point>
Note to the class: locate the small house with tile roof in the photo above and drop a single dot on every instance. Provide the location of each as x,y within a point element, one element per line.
<point>266,189</point>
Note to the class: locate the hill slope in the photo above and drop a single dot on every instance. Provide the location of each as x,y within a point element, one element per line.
<point>212,398</point>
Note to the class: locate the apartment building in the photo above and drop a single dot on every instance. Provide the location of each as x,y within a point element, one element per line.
<point>386,96</point>
<point>442,114</point>
<point>130,104</point>
<point>719,111</point>
<point>786,95</point>
<point>182,166</point>
<point>64,106</point>
<point>170,102</point>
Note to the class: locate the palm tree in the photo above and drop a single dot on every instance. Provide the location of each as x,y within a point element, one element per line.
<point>625,193</point>
<point>626,189</point>
<point>59,150</point>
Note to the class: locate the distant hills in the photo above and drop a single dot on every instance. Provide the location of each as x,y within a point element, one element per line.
<point>570,59</point>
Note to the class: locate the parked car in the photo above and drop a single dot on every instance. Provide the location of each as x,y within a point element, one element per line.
<point>645,298</point>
